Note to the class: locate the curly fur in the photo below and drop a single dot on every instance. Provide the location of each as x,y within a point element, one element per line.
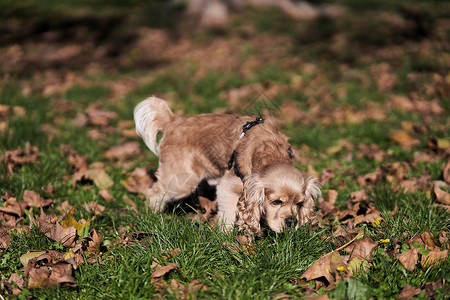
<point>195,148</point>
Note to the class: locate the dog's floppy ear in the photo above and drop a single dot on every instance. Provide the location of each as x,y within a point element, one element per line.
<point>250,204</point>
<point>312,191</point>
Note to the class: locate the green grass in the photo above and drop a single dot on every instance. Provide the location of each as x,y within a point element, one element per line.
<point>194,86</point>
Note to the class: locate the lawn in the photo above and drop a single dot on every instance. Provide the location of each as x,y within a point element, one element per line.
<point>362,91</point>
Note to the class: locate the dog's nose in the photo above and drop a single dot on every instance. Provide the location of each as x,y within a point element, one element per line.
<point>289,221</point>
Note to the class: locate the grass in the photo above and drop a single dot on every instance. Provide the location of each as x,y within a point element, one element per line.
<point>198,84</point>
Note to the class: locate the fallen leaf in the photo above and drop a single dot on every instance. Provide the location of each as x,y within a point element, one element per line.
<point>98,117</point>
<point>19,281</point>
<point>324,268</point>
<point>426,238</point>
<point>65,236</point>
<point>161,271</point>
<point>5,239</point>
<point>25,258</point>
<point>106,195</point>
<point>446,172</point>
<point>362,248</point>
<point>82,226</point>
<point>358,196</point>
<point>94,207</point>
<point>94,241</point>
<point>76,162</point>
<point>138,182</point>
<point>326,176</point>
<point>438,144</point>
<point>409,258</point>
<point>443,237</point>
<point>97,175</point>
<point>123,151</point>
<point>31,198</point>
<point>49,270</point>
<point>408,292</point>
<point>404,139</point>
<point>433,257</point>
<point>18,157</point>
<point>442,196</point>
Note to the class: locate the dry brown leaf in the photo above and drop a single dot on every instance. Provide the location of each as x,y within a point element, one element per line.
<point>433,257</point>
<point>94,241</point>
<point>94,207</point>
<point>324,268</point>
<point>65,207</point>
<point>326,176</point>
<point>19,281</point>
<point>195,285</point>
<point>358,196</point>
<point>123,151</point>
<point>174,252</point>
<point>18,157</point>
<point>426,238</point>
<point>443,237</point>
<point>404,139</point>
<point>408,293</point>
<point>106,195</point>
<point>446,172</point>
<point>65,236</point>
<point>161,271</point>
<point>5,240</point>
<point>138,182</point>
<point>13,207</point>
<point>31,198</point>
<point>442,196</point>
<point>362,248</point>
<point>76,162</point>
<point>97,175</point>
<point>49,270</point>
<point>98,117</point>
<point>327,206</point>
<point>409,258</point>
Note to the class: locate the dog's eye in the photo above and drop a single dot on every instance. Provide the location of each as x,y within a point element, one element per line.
<point>277,202</point>
<point>300,204</point>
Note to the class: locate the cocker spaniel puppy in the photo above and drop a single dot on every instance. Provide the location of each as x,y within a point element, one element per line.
<point>250,159</point>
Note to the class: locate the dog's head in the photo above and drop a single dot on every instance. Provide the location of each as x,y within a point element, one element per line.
<point>282,194</point>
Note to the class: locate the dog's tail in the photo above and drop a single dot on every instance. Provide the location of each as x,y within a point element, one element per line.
<point>152,116</point>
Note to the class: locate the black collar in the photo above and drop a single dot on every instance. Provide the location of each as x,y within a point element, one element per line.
<point>233,158</point>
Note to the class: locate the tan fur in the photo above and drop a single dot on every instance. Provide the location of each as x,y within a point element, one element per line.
<point>199,147</point>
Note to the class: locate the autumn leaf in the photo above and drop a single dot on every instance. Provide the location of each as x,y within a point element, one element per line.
<point>49,270</point>
<point>31,198</point>
<point>409,258</point>
<point>362,248</point>
<point>442,196</point>
<point>96,175</point>
<point>5,240</point>
<point>404,139</point>
<point>81,226</point>
<point>138,181</point>
<point>94,207</point>
<point>25,258</point>
<point>19,157</point>
<point>161,271</point>
<point>433,257</point>
<point>446,172</point>
<point>123,151</point>
<point>94,241</point>
<point>408,292</point>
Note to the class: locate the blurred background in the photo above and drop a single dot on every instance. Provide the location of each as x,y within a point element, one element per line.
<point>304,62</point>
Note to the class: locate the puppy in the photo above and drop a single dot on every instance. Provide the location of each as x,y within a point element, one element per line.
<point>250,159</point>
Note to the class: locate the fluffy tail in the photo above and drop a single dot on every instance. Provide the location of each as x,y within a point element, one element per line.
<point>152,116</point>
